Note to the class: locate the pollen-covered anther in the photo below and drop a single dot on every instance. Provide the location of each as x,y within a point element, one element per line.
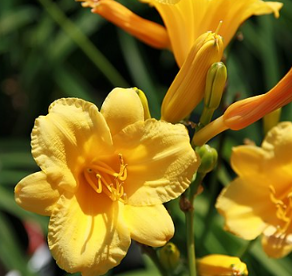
<point>104,179</point>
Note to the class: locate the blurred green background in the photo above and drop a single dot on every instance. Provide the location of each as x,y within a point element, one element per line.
<point>53,49</point>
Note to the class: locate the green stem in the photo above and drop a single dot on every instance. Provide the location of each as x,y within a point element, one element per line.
<point>244,250</point>
<point>213,183</point>
<point>191,242</point>
<point>153,256</point>
<point>189,215</point>
<point>84,43</point>
<point>206,116</point>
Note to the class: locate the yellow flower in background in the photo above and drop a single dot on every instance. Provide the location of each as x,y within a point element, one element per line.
<point>184,20</point>
<point>104,178</point>
<point>221,265</point>
<point>259,201</point>
<point>247,111</point>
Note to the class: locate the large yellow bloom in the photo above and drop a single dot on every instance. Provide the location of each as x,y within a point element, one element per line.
<point>259,201</point>
<point>104,178</point>
<point>184,21</point>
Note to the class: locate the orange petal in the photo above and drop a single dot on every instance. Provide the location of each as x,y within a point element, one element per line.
<point>147,31</point>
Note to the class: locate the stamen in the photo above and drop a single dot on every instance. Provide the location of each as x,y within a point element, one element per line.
<point>90,180</point>
<point>284,210</point>
<point>102,178</point>
<point>99,187</point>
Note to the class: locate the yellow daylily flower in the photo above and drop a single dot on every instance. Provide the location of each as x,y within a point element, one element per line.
<point>245,112</point>
<point>185,20</point>
<point>104,178</point>
<point>221,265</point>
<point>258,201</point>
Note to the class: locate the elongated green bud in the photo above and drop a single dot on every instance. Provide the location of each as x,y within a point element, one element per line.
<point>169,256</point>
<point>215,83</point>
<point>208,157</point>
<point>144,102</point>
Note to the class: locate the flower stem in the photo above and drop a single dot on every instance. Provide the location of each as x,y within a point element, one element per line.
<point>189,215</point>
<point>191,242</point>
<point>153,256</point>
<point>84,43</point>
<point>244,250</point>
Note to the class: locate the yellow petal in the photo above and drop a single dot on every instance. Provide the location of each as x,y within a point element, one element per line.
<point>279,142</point>
<point>239,204</point>
<point>73,130</point>
<point>122,107</point>
<point>275,245</point>
<point>87,233</point>
<point>248,160</point>
<point>150,225</point>
<point>161,162</point>
<point>186,20</point>
<point>36,193</point>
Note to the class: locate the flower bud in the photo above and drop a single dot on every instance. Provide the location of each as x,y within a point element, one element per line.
<point>208,156</point>
<point>169,256</point>
<point>215,83</point>
<point>187,89</point>
<point>214,265</point>
<point>144,102</point>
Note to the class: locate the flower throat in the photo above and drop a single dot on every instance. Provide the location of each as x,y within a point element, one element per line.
<point>104,179</point>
